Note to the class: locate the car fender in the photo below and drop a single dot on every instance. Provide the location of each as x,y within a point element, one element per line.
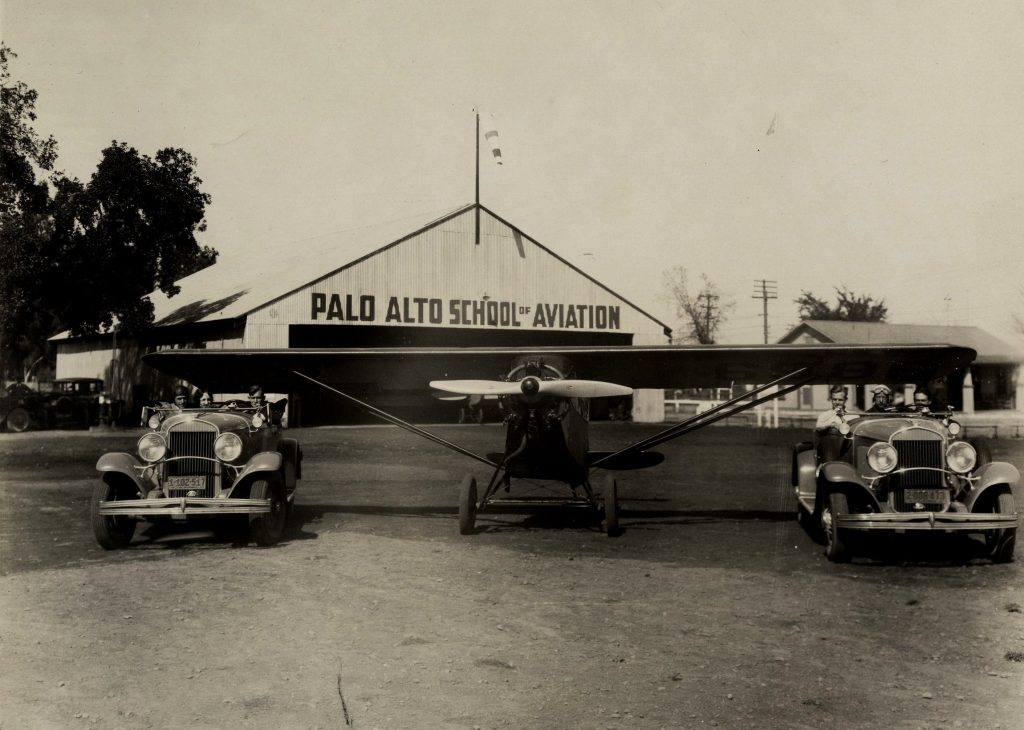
<point>989,475</point>
<point>264,461</point>
<point>291,465</point>
<point>841,474</point>
<point>121,463</point>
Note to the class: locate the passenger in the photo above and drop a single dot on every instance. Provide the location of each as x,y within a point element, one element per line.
<point>922,401</point>
<point>180,398</point>
<point>881,400</point>
<point>828,439</point>
<point>205,399</point>
<point>832,419</point>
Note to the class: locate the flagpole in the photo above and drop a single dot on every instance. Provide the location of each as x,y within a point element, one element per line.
<point>477,206</point>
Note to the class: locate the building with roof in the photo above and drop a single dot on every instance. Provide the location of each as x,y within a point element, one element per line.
<point>464,278</point>
<point>992,382</point>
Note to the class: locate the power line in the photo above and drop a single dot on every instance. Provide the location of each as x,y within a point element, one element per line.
<point>768,290</point>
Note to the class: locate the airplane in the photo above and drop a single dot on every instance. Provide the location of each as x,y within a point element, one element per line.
<point>547,402</point>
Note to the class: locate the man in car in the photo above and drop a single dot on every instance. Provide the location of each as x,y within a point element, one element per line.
<point>922,401</point>
<point>834,417</point>
<point>180,398</point>
<point>256,397</point>
<point>828,439</point>
<point>881,400</point>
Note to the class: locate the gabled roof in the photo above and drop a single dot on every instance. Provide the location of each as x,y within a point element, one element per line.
<point>234,287</point>
<point>991,349</point>
<point>246,281</point>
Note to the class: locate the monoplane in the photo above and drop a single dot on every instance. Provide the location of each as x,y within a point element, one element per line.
<point>546,393</point>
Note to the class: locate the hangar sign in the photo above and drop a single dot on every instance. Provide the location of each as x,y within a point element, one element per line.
<point>465,312</point>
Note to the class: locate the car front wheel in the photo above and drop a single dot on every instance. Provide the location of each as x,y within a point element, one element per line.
<point>266,529</point>
<point>836,549</point>
<point>112,533</point>
<point>1001,543</point>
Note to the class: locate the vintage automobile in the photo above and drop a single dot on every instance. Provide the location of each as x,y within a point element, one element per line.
<point>221,461</point>
<point>22,408</point>
<point>903,472</point>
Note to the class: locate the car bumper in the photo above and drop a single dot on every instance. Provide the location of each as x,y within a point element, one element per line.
<point>183,507</point>
<point>964,521</point>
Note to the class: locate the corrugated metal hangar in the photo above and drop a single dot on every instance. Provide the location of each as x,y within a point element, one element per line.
<point>409,282</point>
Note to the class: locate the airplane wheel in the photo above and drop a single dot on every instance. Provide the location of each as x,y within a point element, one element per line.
<point>467,505</point>
<point>611,507</point>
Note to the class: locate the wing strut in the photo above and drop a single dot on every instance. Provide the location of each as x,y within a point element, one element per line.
<point>717,413</point>
<point>394,420</point>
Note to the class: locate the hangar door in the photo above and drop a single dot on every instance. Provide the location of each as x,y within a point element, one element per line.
<point>319,335</point>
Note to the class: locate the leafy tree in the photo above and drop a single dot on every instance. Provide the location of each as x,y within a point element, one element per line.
<point>129,231</point>
<point>24,223</point>
<point>849,307</point>
<point>82,256</point>
<point>701,312</point>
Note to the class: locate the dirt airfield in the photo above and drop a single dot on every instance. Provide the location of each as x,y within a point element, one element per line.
<point>712,609</point>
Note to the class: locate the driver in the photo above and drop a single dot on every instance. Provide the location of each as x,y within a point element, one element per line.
<point>256,397</point>
<point>180,398</point>
<point>881,400</point>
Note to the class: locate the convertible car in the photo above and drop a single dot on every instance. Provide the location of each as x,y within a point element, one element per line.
<point>196,463</point>
<point>903,472</point>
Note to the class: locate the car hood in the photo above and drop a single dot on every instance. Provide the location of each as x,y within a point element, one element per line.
<point>882,428</point>
<point>223,420</point>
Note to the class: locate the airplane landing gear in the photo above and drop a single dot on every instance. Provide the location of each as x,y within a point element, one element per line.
<point>610,492</point>
<point>467,505</point>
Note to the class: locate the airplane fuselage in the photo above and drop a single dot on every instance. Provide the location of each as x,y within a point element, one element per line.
<point>547,439</point>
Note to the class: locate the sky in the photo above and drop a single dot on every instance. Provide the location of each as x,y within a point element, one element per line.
<point>872,145</point>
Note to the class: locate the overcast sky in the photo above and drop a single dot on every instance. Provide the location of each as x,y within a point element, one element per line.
<point>876,145</point>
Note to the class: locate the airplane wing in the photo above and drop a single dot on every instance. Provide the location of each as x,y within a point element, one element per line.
<point>664,366</point>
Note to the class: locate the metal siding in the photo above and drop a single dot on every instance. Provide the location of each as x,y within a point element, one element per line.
<point>444,263</point>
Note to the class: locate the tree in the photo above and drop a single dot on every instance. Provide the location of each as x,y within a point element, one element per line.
<point>701,314</point>
<point>83,256</point>
<point>129,231</point>
<point>849,307</point>
<point>24,224</point>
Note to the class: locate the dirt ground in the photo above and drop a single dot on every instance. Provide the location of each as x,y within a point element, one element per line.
<point>713,608</point>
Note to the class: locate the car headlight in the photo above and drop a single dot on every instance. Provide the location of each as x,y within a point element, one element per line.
<point>882,458</point>
<point>154,421</point>
<point>227,447</point>
<point>954,428</point>
<point>258,420</point>
<point>961,457</point>
<point>152,447</point>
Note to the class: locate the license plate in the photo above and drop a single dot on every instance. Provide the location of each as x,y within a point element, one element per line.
<point>185,483</point>
<point>924,495</point>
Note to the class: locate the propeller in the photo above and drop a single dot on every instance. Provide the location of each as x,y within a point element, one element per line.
<point>531,386</point>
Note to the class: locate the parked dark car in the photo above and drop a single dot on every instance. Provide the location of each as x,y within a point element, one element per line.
<point>200,463</point>
<point>22,408</point>
<point>903,472</point>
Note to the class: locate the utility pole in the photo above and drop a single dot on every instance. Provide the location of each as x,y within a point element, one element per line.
<point>765,290</point>
<point>707,297</point>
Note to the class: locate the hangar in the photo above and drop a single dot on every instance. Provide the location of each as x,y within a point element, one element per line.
<point>466,277</point>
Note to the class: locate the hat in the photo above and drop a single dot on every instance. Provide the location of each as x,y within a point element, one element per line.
<point>882,389</point>
<point>180,390</point>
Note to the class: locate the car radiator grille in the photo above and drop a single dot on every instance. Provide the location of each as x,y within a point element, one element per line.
<point>192,439</point>
<point>921,479</point>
